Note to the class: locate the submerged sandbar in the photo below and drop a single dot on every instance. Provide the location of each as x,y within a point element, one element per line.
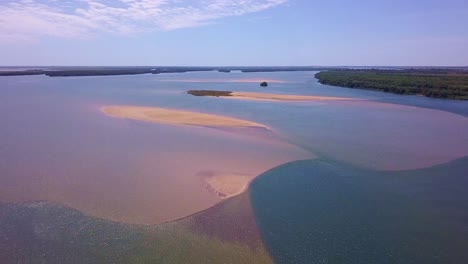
<point>177,117</point>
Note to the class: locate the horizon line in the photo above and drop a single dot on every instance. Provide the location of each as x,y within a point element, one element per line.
<point>248,66</point>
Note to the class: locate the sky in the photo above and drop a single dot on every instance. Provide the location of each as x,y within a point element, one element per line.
<point>233,33</point>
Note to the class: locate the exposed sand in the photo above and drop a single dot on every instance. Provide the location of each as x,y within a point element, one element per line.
<point>182,170</point>
<point>284,97</point>
<point>268,96</point>
<point>225,185</point>
<point>177,117</point>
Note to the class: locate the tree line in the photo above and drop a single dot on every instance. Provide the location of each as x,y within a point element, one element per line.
<point>450,84</point>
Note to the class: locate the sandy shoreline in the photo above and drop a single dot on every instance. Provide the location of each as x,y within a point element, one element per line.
<point>176,117</point>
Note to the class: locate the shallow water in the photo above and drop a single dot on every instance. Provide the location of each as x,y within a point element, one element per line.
<point>56,145</point>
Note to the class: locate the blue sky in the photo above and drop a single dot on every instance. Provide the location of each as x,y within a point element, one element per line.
<point>235,32</point>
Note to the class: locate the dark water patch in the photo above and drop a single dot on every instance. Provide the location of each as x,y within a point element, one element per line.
<point>319,211</point>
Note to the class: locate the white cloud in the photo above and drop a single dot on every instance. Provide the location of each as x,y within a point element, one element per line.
<point>31,19</point>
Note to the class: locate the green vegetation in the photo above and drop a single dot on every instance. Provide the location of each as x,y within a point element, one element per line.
<point>264,84</point>
<point>104,71</point>
<point>450,84</point>
<point>209,93</point>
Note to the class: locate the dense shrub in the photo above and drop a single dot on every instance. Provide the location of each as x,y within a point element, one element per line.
<point>452,84</point>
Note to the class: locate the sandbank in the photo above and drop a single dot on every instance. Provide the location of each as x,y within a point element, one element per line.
<point>176,117</point>
<point>225,185</point>
<point>267,96</point>
<point>284,97</point>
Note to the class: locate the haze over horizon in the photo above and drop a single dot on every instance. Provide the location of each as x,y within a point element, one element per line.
<point>233,33</point>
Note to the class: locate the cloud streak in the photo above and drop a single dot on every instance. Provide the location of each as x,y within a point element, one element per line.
<point>32,19</point>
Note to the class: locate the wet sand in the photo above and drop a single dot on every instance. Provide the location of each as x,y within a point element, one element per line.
<point>225,185</point>
<point>284,97</point>
<point>176,117</point>
<point>132,172</point>
<point>191,167</point>
<point>281,97</point>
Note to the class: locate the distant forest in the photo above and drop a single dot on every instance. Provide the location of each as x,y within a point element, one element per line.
<point>450,84</point>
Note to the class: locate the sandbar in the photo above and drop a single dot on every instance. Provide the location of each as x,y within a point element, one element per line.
<point>267,96</point>
<point>225,185</point>
<point>177,117</point>
<point>284,97</point>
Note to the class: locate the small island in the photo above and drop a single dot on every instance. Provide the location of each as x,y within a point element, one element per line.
<point>263,84</point>
<point>266,96</point>
<point>209,93</point>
